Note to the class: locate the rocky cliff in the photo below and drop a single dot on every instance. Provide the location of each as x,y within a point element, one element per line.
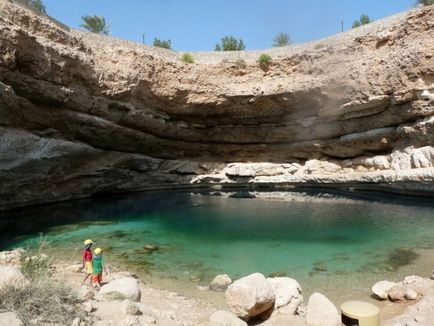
<point>82,114</point>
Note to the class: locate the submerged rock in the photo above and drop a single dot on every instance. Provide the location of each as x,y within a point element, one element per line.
<point>250,296</point>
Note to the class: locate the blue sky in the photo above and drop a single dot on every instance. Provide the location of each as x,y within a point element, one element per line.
<point>196,25</point>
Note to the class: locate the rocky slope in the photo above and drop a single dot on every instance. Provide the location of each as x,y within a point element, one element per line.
<point>83,114</point>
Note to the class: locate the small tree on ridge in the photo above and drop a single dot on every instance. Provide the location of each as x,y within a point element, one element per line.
<point>230,43</point>
<point>163,44</point>
<point>95,24</point>
<point>281,39</point>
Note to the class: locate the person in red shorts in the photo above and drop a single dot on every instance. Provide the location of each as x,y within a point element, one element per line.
<point>98,268</point>
<point>87,261</point>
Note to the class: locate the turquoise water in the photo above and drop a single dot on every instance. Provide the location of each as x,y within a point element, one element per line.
<point>330,243</point>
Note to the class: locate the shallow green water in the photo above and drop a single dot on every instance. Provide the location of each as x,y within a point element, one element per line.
<point>315,242</point>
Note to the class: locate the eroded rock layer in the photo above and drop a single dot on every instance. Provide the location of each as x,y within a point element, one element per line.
<point>82,114</point>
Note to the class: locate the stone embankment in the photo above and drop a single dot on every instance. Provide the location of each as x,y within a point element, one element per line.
<point>252,300</point>
<point>83,114</point>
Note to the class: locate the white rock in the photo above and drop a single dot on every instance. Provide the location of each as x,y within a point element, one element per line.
<point>220,283</point>
<point>288,294</point>
<point>397,293</point>
<point>120,289</point>
<point>11,257</point>
<point>419,284</point>
<point>381,289</point>
<point>88,307</point>
<point>411,294</point>
<point>223,318</point>
<point>250,296</point>
<point>130,308</point>
<point>10,319</point>
<point>321,312</point>
<point>11,276</point>
<point>130,321</point>
<point>85,293</point>
<point>75,268</point>
<point>277,319</point>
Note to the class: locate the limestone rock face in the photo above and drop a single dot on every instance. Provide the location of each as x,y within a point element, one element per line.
<point>321,312</point>
<point>83,114</point>
<point>250,296</point>
<point>220,283</point>
<point>120,289</point>
<point>11,276</point>
<point>288,294</point>
<point>223,318</point>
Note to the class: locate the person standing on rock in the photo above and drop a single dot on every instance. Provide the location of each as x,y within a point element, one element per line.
<point>87,261</point>
<point>98,267</point>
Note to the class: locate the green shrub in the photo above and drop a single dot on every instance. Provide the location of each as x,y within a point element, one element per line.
<point>426,2</point>
<point>319,46</point>
<point>34,263</point>
<point>264,61</point>
<point>187,58</point>
<point>163,44</point>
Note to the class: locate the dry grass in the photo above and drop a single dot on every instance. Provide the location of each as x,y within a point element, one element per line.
<point>43,300</point>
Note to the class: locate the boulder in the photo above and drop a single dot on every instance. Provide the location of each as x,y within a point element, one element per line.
<point>120,289</point>
<point>397,293</point>
<point>220,283</point>
<point>288,294</point>
<point>10,319</point>
<point>250,296</point>
<point>321,312</point>
<point>130,308</point>
<point>411,294</point>
<point>381,289</point>
<point>11,276</point>
<point>419,284</point>
<point>223,318</point>
<point>277,319</point>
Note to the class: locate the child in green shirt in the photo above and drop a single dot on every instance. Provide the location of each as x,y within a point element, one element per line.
<point>98,268</point>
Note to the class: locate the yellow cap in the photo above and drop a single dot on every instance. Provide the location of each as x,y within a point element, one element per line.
<point>88,242</point>
<point>98,251</point>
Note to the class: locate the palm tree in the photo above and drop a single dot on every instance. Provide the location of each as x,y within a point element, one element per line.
<point>281,39</point>
<point>95,24</point>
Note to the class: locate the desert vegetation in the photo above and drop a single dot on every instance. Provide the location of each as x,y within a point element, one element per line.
<point>165,44</point>
<point>95,24</point>
<point>364,19</point>
<point>230,43</point>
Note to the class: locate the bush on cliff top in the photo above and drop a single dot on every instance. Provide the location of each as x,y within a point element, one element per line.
<point>187,58</point>
<point>426,2</point>
<point>264,61</point>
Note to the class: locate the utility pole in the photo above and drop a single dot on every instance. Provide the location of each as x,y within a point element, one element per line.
<point>143,38</point>
<point>342,25</point>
